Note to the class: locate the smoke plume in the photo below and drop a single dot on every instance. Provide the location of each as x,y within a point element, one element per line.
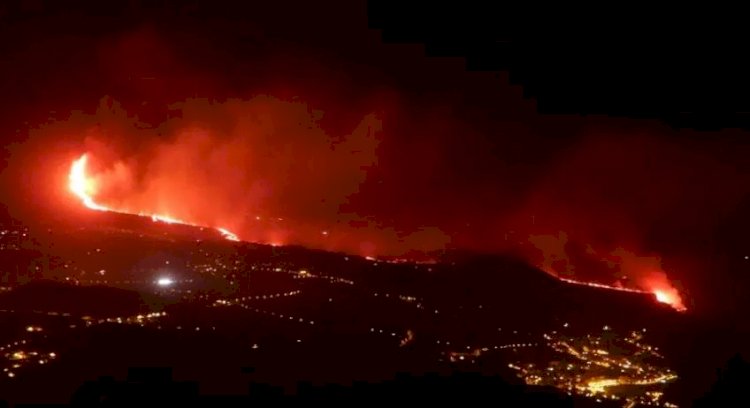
<point>374,150</point>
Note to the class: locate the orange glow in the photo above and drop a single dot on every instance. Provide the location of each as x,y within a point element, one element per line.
<point>646,272</point>
<point>228,234</point>
<point>668,295</point>
<point>671,297</point>
<point>661,296</point>
<point>84,188</point>
<point>601,286</point>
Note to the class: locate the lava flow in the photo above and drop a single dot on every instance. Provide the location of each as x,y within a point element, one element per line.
<point>669,296</point>
<point>560,256</point>
<point>84,188</point>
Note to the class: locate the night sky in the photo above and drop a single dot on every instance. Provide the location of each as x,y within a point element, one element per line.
<point>298,124</point>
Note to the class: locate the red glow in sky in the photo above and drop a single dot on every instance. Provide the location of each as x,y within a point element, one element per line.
<point>84,188</point>
<point>651,278</point>
<point>597,268</point>
<point>286,148</point>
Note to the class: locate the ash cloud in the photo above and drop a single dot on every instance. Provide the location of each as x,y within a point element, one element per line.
<point>261,167</point>
<point>612,207</point>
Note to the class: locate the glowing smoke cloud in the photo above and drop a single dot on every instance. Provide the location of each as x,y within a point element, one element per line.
<point>84,188</point>
<point>553,248</point>
<point>560,261</point>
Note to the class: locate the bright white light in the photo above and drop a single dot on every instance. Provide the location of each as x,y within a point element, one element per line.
<point>662,297</point>
<point>164,282</point>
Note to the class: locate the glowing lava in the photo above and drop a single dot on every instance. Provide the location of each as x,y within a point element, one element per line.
<point>668,296</point>
<point>84,188</point>
<point>81,186</point>
<point>645,273</point>
<point>661,296</point>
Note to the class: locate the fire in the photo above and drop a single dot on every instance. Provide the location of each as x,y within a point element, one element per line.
<point>668,296</point>
<point>646,272</point>
<point>84,188</point>
<point>228,234</point>
<point>671,297</point>
<point>661,296</point>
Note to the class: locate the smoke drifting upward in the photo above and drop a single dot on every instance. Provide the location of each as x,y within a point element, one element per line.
<point>608,207</point>
<point>262,168</point>
<point>278,150</point>
<point>618,268</point>
<point>369,148</point>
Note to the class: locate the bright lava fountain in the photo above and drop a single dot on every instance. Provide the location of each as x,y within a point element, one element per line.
<point>83,187</point>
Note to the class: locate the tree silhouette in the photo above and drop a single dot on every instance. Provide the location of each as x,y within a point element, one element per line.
<point>732,388</point>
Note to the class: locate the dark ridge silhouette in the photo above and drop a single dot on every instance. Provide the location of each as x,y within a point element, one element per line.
<point>5,217</point>
<point>94,301</point>
<point>731,387</point>
<point>155,387</point>
<point>498,282</point>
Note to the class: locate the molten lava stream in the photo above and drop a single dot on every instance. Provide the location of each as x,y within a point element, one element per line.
<point>84,188</point>
<point>669,296</point>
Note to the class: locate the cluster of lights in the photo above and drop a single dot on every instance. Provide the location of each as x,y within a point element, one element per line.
<point>216,263</point>
<point>13,239</point>
<point>88,320</point>
<point>239,300</point>
<point>602,367</point>
<point>141,319</point>
<point>16,355</point>
<point>472,354</point>
<point>400,261</point>
<point>126,282</point>
<point>11,345</point>
<point>305,274</point>
<point>18,358</point>
<point>409,338</point>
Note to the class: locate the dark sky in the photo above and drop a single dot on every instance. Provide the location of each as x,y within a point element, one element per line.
<point>301,112</point>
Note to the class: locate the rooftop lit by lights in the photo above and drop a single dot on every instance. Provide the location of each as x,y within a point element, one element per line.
<point>164,282</point>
